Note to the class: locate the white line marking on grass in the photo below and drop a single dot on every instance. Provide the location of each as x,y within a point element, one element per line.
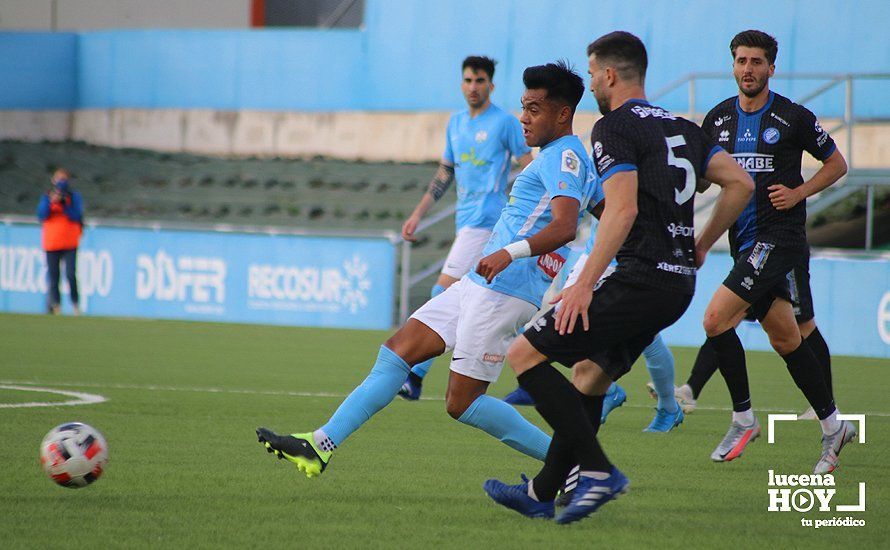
<point>153,387</point>
<point>80,398</point>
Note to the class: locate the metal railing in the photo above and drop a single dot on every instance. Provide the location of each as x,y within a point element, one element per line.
<point>406,279</point>
<point>856,178</point>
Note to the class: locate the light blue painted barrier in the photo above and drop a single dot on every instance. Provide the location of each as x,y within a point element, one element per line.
<point>231,277</point>
<point>407,57</point>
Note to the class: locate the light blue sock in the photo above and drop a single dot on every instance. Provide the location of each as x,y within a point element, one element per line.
<point>660,362</point>
<point>613,387</point>
<point>374,393</point>
<point>504,422</point>
<point>420,369</point>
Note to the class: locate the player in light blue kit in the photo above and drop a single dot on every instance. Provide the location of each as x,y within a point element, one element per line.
<point>479,316</point>
<point>659,362</point>
<point>479,143</point>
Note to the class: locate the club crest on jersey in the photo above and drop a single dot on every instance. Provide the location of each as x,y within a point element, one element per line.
<point>570,162</point>
<point>771,135</point>
<point>551,263</point>
<point>721,120</point>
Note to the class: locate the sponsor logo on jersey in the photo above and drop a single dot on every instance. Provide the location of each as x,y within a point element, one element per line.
<point>598,149</point>
<point>780,119</point>
<point>771,136</point>
<point>604,163</point>
<point>481,136</point>
<point>724,135</point>
<point>562,185</point>
<point>551,263</point>
<point>721,120</point>
<point>677,269</point>
<point>754,162</point>
<point>472,159</point>
<point>680,230</point>
<point>570,162</point>
<point>644,111</point>
<point>747,137</point>
<point>823,135</point>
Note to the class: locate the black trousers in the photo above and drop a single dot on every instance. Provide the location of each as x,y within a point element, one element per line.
<point>53,271</point>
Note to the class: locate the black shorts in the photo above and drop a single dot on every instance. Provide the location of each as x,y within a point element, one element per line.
<point>799,287</point>
<point>623,321</point>
<point>761,274</point>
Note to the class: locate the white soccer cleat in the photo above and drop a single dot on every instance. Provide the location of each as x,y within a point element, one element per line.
<point>831,448</point>
<point>735,441</point>
<point>808,414</point>
<point>684,398</point>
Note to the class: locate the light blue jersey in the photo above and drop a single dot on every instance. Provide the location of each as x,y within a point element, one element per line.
<point>480,148</point>
<point>562,169</point>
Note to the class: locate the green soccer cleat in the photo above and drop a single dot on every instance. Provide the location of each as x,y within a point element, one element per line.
<point>297,448</point>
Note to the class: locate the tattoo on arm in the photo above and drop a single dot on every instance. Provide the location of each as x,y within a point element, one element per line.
<point>441,181</point>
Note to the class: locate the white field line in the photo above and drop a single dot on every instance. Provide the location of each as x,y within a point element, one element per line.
<point>153,387</point>
<point>79,398</point>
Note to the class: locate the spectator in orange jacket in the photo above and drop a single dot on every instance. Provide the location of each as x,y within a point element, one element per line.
<point>61,212</point>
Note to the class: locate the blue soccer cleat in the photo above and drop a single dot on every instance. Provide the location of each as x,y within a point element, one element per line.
<point>613,401</point>
<point>519,397</point>
<point>515,497</point>
<point>592,493</point>
<point>665,421</point>
<point>412,388</point>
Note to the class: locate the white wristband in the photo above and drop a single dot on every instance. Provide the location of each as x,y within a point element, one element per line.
<point>519,249</point>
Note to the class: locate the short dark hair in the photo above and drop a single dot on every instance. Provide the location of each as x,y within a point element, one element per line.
<point>480,63</point>
<point>756,39</point>
<point>624,51</point>
<point>559,79</point>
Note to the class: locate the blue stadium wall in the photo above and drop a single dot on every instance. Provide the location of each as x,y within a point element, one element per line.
<point>405,57</point>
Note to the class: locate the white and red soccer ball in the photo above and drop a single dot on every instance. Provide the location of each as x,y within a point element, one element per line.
<point>74,454</point>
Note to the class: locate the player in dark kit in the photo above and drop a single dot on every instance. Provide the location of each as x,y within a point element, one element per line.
<point>769,146</point>
<point>649,162</point>
<point>767,133</point>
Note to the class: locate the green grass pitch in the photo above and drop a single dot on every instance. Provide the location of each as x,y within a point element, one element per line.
<point>186,470</point>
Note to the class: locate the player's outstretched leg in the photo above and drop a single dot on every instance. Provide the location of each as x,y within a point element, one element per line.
<point>374,393</point>
<point>413,385</point>
<point>615,397</point>
<point>297,448</point>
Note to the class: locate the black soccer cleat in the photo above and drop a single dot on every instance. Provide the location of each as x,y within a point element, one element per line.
<point>297,448</point>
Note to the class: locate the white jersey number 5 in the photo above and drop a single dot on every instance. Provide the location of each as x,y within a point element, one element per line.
<point>689,189</point>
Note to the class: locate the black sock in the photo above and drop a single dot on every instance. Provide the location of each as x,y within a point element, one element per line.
<point>560,458</point>
<point>705,366</point>
<point>807,374</point>
<point>820,350</point>
<point>731,362</point>
<point>417,380</point>
<point>558,403</point>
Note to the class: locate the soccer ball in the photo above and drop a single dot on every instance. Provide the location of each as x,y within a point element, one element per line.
<point>73,454</point>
